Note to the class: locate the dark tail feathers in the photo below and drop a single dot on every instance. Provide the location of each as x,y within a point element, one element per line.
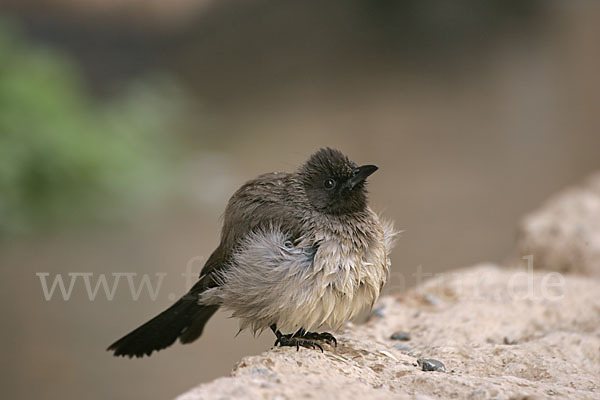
<point>184,320</point>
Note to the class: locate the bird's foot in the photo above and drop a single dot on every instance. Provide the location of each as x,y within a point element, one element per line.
<point>322,336</point>
<point>295,341</point>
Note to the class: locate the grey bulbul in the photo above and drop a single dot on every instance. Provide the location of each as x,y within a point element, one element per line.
<point>298,251</point>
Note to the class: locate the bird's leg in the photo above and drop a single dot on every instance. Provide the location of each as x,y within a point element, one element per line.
<point>279,335</point>
<point>324,336</point>
<point>295,340</point>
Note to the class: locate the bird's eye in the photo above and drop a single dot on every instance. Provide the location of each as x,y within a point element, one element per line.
<point>329,184</point>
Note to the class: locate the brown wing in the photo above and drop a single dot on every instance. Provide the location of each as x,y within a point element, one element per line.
<point>259,203</point>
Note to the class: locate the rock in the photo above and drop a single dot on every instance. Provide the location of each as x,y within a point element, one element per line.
<point>508,340</point>
<point>429,364</point>
<point>401,336</point>
<point>564,234</point>
<point>556,350</point>
<point>432,300</point>
<point>377,312</point>
<point>403,347</point>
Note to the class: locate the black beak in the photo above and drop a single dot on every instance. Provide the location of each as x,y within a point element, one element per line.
<point>360,174</point>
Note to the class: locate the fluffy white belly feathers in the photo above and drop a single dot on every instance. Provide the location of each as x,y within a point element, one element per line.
<point>319,281</point>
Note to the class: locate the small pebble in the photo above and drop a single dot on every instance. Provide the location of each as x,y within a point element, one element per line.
<point>431,299</point>
<point>403,347</point>
<point>402,336</point>
<point>429,364</point>
<point>388,354</point>
<point>377,312</point>
<point>509,340</point>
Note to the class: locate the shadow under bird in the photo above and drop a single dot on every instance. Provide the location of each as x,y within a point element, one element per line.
<point>298,251</point>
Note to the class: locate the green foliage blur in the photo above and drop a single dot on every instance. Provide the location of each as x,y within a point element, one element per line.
<point>67,159</point>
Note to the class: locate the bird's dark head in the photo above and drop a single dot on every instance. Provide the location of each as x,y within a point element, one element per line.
<point>333,183</point>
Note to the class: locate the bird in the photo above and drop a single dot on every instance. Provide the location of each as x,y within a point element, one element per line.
<point>298,251</point>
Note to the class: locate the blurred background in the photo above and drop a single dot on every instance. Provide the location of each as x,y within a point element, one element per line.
<point>126,125</point>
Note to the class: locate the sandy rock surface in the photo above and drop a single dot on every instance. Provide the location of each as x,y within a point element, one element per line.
<point>496,337</point>
<point>564,234</point>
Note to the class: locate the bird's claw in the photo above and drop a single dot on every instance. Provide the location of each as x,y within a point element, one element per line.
<point>303,339</point>
<point>324,336</point>
<point>292,341</point>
